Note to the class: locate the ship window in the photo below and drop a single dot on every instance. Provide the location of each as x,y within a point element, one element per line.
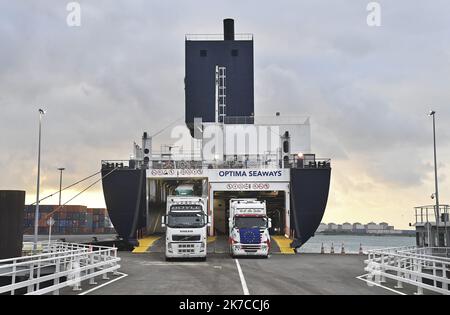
<point>234,52</point>
<point>203,53</point>
<point>286,146</point>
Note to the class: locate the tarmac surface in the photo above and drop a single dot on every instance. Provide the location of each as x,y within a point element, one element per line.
<point>150,274</point>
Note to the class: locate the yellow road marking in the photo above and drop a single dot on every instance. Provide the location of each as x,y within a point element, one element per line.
<point>145,244</point>
<point>284,244</point>
<point>212,239</point>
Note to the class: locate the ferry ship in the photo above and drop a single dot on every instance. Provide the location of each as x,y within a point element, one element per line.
<point>229,152</point>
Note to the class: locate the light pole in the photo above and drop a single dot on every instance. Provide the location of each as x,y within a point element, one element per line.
<point>436,212</point>
<point>61,169</point>
<point>36,213</point>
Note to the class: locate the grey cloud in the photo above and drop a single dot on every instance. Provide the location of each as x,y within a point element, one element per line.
<point>367,90</point>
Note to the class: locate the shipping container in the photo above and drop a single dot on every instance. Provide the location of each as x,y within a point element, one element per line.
<point>69,220</point>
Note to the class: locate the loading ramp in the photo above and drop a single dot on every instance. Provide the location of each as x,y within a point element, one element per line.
<point>216,245</point>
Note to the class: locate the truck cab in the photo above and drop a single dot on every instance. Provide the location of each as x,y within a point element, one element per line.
<point>249,228</point>
<point>186,223</point>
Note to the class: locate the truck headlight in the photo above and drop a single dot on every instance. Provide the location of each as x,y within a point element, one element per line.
<point>169,247</point>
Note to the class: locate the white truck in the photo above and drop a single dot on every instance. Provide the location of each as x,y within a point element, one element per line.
<point>249,228</point>
<point>186,223</point>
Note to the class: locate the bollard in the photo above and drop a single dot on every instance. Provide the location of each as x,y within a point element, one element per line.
<point>322,249</point>
<point>332,249</point>
<point>360,249</point>
<point>342,249</point>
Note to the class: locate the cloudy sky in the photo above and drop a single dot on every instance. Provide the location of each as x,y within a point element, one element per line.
<point>367,89</point>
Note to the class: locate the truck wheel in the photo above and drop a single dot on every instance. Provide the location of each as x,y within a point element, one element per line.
<point>231,253</point>
<point>168,259</point>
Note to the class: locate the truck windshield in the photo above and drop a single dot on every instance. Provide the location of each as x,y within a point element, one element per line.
<point>250,222</point>
<point>186,220</point>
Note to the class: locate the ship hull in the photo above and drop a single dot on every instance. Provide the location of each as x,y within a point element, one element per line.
<point>124,192</point>
<point>309,196</point>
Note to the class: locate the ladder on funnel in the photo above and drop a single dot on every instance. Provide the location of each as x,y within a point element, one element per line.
<point>221,82</point>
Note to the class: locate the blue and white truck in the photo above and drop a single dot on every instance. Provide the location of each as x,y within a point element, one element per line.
<point>249,228</point>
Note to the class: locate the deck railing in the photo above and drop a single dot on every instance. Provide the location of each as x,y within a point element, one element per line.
<point>425,268</point>
<point>58,266</point>
<point>166,162</point>
<point>427,214</point>
<point>217,37</point>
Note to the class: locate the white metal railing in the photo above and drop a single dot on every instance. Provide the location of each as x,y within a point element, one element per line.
<point>425,268</point>
<point>427,214</point>
<point>59,265</point>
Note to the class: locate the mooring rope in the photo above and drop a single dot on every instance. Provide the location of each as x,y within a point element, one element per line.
<point>70,186</point>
